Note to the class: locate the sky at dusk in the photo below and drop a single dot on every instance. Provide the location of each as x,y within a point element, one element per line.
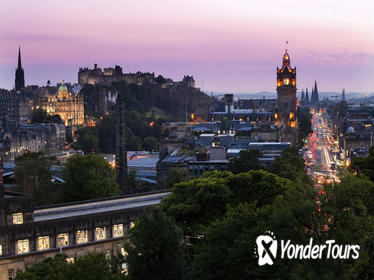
<point>227,45</point>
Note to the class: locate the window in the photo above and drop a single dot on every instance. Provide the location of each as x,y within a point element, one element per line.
<point>1,250</point>
<point>22,246</point>
<point>43,243</point>
<point>17,218</point>
<point>82,236</point>
<point>123,252</point>
<point>62,240</point>
<point>118,230</point>
<point>100,233</point>
<point>10,274</point>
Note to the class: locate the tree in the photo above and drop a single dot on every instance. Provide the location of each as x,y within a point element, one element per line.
<point>87,140</point>
<point>33,176</point>
<point>195,203</point>
<point>135,144</point>
<point>41,116</point>
<point>89,143</point>
<point>52,268</point>
<point>227,251</point>
<point>174,176</point>
<point>256,186</point>
<point>150,144</point>
<point>155,249</point>
<point>290,165</point>
<point>247,160</point>
<point>343,212</point>
<point>305,123</point>
<point>364,166</point>
<point>88,177</point>
<point>89,267</point>
<point>106,133</point>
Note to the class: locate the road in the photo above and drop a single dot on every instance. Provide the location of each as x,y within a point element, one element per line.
<point>319,152</point>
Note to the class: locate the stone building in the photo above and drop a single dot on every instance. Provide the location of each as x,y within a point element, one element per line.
<point>108,75</point>
<point>286,107</point>
<point>19,83</point>
<point>29,235</point>
<point>68,105</point>
<point>48,137</point>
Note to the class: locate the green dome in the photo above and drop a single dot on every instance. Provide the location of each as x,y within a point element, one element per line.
<point>63,87</point>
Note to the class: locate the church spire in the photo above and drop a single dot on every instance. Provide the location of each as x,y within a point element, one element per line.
<point>20,75</point>
<point>315,86</point>
<point>19,57</point>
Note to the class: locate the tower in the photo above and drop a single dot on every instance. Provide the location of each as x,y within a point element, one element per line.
<point>307,98</point>
<point>286,91</point>
<point>20,76</point>
<point>121,152</point>
<point>343,95</point>
<point>314,98</point>
<point>302,97</point>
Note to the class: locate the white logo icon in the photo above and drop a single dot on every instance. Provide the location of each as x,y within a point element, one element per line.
<point>266,248</point>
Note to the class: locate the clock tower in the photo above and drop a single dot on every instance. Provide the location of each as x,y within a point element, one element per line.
<point>286,91</point>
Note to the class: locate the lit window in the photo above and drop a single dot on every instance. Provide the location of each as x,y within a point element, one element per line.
<point>132,224</point>
<point>17,218</point>
<point>123,252</point>
<point>100,233</point>
<point>124,269</point>
<point>43,243</point>
<point>22,246</point>
<point>11,274</point>
<point>62,240</point>
<point>1,250</point>
<point>118,230</point>
<point>82,236</point>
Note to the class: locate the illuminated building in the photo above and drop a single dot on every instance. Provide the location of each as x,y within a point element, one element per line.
<point>287,101</point>
<point>286,88</point>
<point>69,106</point>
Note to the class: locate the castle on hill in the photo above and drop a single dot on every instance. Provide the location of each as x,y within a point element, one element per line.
<point>97,76</point>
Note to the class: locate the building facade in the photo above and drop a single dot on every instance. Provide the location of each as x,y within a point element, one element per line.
<point>286,105</point>
<point>69,106</point>
<point>30,235</point>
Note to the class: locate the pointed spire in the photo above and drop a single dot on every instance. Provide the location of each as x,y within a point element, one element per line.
<point>20,75</point>
<point>315,87</point>
<point>19,57</point>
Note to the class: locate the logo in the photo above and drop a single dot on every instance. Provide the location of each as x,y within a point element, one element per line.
<point>267,246</point>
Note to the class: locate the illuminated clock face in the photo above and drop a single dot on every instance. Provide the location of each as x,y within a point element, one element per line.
<point>286,82</point>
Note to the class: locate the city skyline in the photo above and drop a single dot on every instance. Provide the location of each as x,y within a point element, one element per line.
<point>226,50</point>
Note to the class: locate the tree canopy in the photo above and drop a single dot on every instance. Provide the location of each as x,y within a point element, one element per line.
<point>88,177</point>
<point>154,249</point>
<point>41,116</point>
<point>247,160</point>
<point>89,267</point>
<point>364,166</point>
<point>33,176</point>
<point>290,165</point>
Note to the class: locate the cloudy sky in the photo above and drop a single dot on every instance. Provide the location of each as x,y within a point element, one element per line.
<point>227,45</point>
